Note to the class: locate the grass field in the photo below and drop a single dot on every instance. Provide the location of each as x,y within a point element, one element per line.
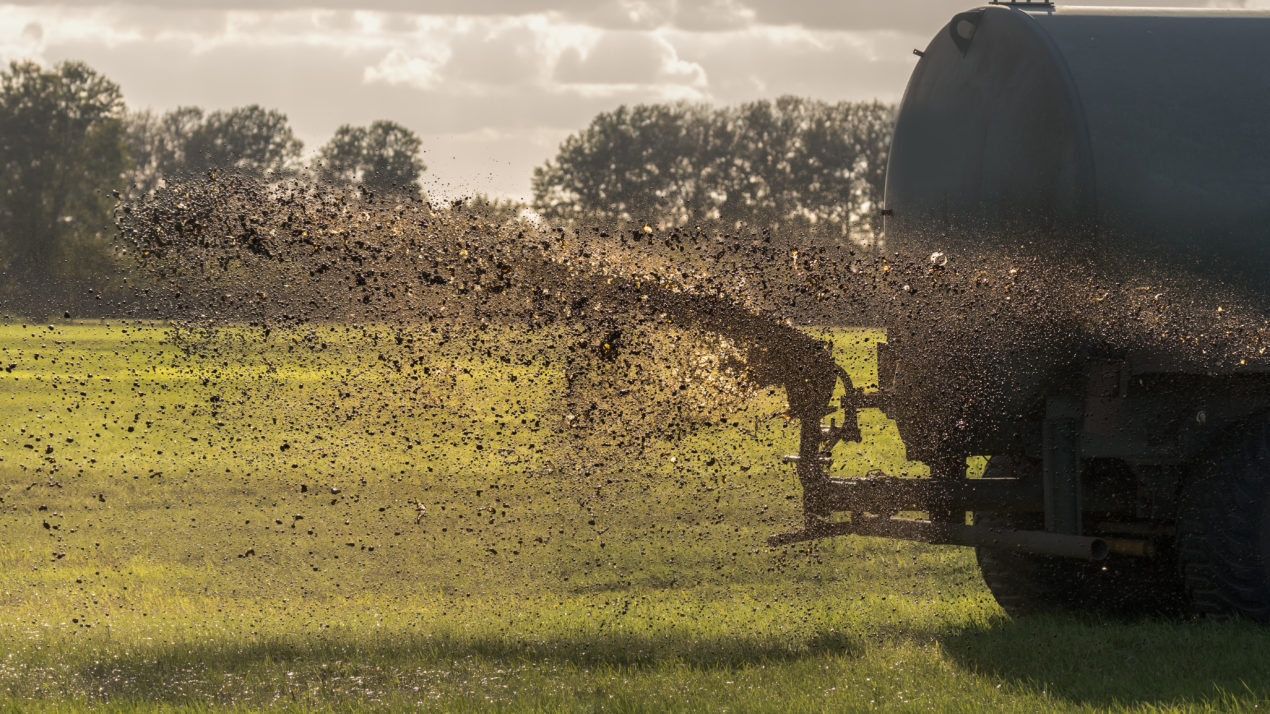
<point>263,526</point>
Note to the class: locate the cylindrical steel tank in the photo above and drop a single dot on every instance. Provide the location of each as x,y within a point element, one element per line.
<point>1141,131</point>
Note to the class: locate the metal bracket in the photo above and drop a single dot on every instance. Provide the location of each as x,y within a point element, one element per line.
<point>1039,542</point>
<point>1060,465</point>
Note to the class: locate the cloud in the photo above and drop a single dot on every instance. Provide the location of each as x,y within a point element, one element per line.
<point>464,81</point>
<point>418,69</point>
<point>504,56</point>
<point>766,61</point>
<point>33,33</point>
<point>508,53</point>
<point>473,55</point>
<point>627,58</point>
<point>20,38</point>
<point>467,74</point>
<point>714,16</point>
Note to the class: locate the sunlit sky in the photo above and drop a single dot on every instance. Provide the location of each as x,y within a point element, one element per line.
<point>492,86</point>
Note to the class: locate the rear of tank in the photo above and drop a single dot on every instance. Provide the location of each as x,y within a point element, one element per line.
<point>1136,139</point>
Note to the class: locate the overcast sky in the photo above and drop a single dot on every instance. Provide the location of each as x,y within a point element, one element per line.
<point>492,86</point>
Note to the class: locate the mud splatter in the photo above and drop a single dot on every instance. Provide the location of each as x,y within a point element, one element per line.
<point>979,340</point>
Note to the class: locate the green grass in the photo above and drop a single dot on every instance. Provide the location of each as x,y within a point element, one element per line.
<point>238,527</point>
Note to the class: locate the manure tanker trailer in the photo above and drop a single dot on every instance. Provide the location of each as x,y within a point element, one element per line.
<point>1120,482</point>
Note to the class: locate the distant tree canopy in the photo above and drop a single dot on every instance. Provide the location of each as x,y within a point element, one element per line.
<point>791,163</point>
<point>491,208</point>
<point>383,157</point>
<point>67,143</point>
<point>61,152</point>
<point>186,142</point>
<point>795,165</point>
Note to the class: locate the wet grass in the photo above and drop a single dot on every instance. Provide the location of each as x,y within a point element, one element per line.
<point>239,527</point>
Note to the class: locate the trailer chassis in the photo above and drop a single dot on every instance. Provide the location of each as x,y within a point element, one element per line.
<point>1152,422</point>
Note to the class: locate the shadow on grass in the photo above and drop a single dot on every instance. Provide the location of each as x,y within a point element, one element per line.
<point>1106,663</point>
<point>394,660</point>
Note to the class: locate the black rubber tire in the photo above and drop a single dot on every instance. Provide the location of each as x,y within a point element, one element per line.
<point>1024,584</point>
<point>1224,528</point>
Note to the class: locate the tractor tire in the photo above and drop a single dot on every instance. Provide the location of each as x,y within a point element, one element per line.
<point>1224,529</point>
<point>1021,583</point>
<point>1026,584</point>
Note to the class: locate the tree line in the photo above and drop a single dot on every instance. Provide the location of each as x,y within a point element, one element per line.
<point>793,165</point>
<point>70,147</point>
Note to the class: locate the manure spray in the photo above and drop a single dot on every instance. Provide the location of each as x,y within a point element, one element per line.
<point>978,335</point>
